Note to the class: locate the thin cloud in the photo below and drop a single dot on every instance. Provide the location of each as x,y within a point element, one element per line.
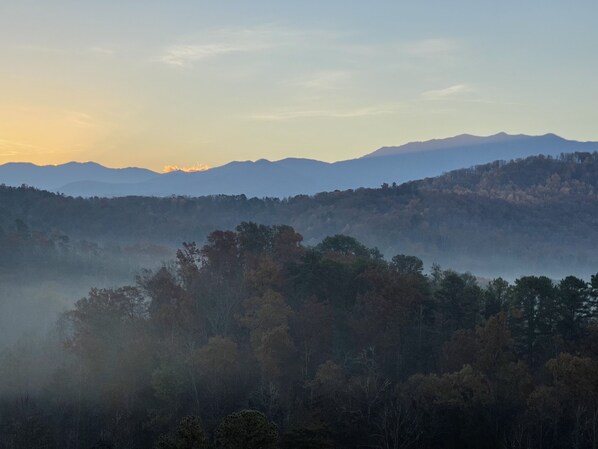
<point>223,42</point>
<point>238,40</point>
<point>5,152</point>
<point>450,91</point>
<point>324,80</point>
<point>4,143</point>
<point>10,148</point>
<point>181,55</point>
<point>81,119</point>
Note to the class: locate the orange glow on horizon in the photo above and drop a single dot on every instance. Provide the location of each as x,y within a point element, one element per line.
<point>195,168</point>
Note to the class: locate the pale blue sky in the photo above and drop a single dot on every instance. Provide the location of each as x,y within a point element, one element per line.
<point>155,83</point>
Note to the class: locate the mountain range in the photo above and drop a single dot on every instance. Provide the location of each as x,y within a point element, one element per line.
<point>292,176</point>
<point>532,215</point>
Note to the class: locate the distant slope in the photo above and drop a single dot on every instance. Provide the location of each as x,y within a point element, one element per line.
<point>536,215</point>
<point>510,146</point>
<point>289,177</point>
<point>52,177</point>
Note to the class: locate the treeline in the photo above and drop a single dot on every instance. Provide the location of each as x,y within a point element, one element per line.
<point>26,251</point>
<point>535,215</point>
<point>526,180</point>
<point>42,273</point>
<point>257,341</point>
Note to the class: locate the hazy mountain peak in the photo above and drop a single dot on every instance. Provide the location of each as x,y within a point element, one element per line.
<point>553,136</point>
<point>460,140</point>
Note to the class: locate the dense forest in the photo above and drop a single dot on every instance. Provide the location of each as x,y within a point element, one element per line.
<point>256,340</point>
<point>536,215</point>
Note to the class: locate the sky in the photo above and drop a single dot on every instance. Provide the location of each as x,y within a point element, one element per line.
<point>195,84</point>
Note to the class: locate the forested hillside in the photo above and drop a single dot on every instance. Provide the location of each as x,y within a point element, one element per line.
<point>257,341</point>
<point>43,273</point>
<point>536,215</point>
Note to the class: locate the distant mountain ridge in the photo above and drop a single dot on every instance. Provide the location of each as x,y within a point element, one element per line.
<point>53,177</point>
<point>460,141</point>
<point>294,176</point>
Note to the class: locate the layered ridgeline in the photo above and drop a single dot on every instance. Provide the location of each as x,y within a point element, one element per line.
<point>292,176</point>
<point>536,215</point>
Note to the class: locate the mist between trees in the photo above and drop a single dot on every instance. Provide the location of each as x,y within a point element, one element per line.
<point>257,341</point>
